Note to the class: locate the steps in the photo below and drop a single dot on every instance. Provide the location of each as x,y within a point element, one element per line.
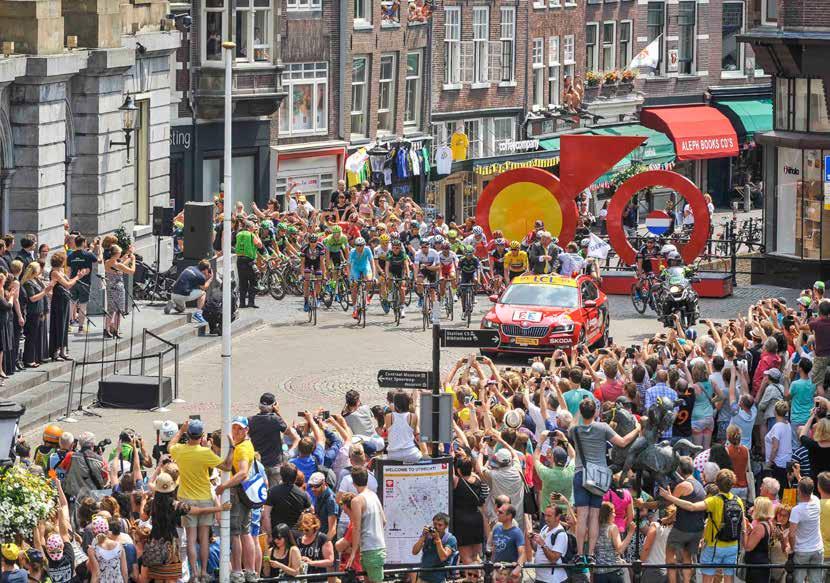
<point>44,391</point>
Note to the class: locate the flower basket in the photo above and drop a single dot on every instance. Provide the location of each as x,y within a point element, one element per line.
<point>609,90</point>
<point>627,77</point>
<point>591,93</point>
<point>592,79</point>
<point>611,78</point>
<point>25,499</point>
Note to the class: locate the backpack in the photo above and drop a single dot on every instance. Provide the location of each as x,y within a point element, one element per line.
<point>570,552</point>
<point>331,479</point>
<point>253,491</point>
<point>733,519</point>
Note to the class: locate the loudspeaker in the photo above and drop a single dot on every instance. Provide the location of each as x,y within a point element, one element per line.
<point>134,392</point>
<point>198,230</point>
<point>163,221</point>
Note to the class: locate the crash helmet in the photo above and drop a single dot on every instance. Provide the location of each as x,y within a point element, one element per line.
<point>168,430</point>
<point>452,234</point>
<point>359,241</point>
<point>674,259</point>
<point>468,250</point>
<point>501,242</point>
<point>514,245</point>
<point>52,434</point>
<point>477,230</point>
<point>667,250</point>
<point>438,240</point>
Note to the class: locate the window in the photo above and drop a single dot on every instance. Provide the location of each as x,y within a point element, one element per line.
<point>568,56</point>
<point>732,24</point>
<point>769,11</point>
<point>503,133</point>
<point>507,36</point>
<point>555,3</point>
<point>819,121</point>
<point>472,127</point>
<point>301,5</point>
<point>656,21</point>
<point>412,99</point>
<point>390,13</point>
<point>799,104</point>
<point>452,45</point>
<point>253,31</point>
<point>538,72</point>
<point>214,30</point>
<point>243,171</point>
<point>141,201</point>
<point>609,41</point>
<point>360,73</point>
<point>591,63</point>
<point>305,108</point>
<point>625,43</point>
<point>312,184</point>
<point>386,94</point>
<point>554,80</point>
<point>363,13</point>
<point>686,47</point>
<point>481,32</point>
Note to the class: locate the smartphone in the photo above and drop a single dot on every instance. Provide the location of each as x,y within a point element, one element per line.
<point>524,369</point>
<point>477,403</point>
<point>480,358</point>
<point>198,417</point>
<point>325,415</point>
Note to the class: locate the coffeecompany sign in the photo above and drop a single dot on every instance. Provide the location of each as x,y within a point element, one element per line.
<point>508,146</point>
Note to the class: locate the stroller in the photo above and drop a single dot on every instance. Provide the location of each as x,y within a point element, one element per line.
<point>212,311</point>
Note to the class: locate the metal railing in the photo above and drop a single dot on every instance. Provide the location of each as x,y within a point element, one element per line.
<point>171,347</point>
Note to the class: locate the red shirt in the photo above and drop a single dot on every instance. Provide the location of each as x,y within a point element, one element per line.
<point>351,230</point>
<point>821,329</point>
<point>609,391</point>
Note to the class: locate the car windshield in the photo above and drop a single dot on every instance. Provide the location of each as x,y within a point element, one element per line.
<point>552,296</point>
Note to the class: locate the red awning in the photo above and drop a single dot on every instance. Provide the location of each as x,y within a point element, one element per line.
<point>698,132</point>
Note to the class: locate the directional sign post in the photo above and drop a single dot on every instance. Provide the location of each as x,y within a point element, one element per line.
<point>404,379</point>
<point>462,338</point>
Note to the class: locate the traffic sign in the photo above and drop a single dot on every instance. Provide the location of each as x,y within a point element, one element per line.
<point>404,379</point>
<point>462,338</point>
<point>658,222</point>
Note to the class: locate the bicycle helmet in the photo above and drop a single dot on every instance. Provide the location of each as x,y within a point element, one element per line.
<point>514,245</point>
<point>266,224</point>
<point>585,242</point>
<point>501,242</point>
<point>396,243</point>
<point>384,238</point>
<point>414,225</point>
<point>477,230</point>
<point>311,237</point>
<point>359,241</point>
<point>452,234</point>
<point>292,230</point>
<point>52,434</point>
<point>336,230</point>
<point>468,250</point>
<point>282,226</point>
<point>438,240</point>
<point>667,250</point>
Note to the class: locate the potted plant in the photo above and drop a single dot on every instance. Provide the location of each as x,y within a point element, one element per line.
<point>593,80</point>
<point>627,77</point>
<point>25,500</point>
<point>609,83</point>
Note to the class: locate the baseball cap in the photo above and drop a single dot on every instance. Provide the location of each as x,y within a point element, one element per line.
<point>267,399</point>
<point>819,285</point>
<point>10,551</point>
<point>195,428</point>
<point>241,421</point>
<point>773,373</point>
<point>500,459</point>
<point>316,479</point>
<point>560,456</point>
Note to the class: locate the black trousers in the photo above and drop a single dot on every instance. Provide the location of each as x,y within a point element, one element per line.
<point>247,280</point>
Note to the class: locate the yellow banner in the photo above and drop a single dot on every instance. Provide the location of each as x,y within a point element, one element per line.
<point>499,167</point>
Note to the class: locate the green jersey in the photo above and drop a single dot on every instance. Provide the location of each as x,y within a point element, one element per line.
<point>336,245</point>
<point>397,260</point>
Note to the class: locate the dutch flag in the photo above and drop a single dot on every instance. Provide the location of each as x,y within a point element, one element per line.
<point>658,222</point>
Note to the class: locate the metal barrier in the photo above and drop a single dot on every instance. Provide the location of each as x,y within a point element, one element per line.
<point>170,347</point>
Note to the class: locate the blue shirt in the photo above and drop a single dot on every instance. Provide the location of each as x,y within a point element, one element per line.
<point>802,392</point>
<point>361,261</point>
<point>190,279</point>
<point>308,464</point>
<point>506,544</point>
<point>430,557</point>
<point>324,507</point>
<point>744,420</point>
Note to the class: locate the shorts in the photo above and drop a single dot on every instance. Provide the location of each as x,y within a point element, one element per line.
<point>467,277</point>
<point>703,425</point>
<point>256,521</point>
<point>820,364</point>
<point>396,271</point>
<point>80,293</point>
<point>360,272</point>
<point>372,562</point>
<point>716,556</point>
<point>582,497</point>
<point>312,266</point>
<point>428,275</point>
<point>447,270</point>
<point>191,521</point>
<point>336,258</point>
<point>240,515</point>
<point>179,301</point>
<point>513,274</point>
<point>684,541</point>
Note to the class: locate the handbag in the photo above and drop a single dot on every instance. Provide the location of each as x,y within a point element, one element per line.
<point>529,503</point>
<point>156,552</point>
<point>596,478</point>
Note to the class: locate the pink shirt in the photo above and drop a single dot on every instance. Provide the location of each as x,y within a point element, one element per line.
<point>621,505</point>
<point>609,391</point>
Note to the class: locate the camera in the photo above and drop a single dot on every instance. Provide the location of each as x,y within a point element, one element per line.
<point>431,529</point>
<point>325,415</point>
<point>99,449</point>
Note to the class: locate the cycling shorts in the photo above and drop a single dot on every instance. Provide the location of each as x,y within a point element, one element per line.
<point>312,264</point>
<point>467,277</point>
<point>430,276</point>
<point>359,272</point>
<point>336,258</point>
<point>396,270</point>
<point>447,270</point>
<point>513,274</point>
<point>316,270</point>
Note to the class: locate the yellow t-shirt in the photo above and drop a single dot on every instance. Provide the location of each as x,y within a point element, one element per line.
<point>714,508</point>
<point>195,463</point>
<point>824,522</point>
<point>458,145</point>
<point>516,261</point>
<point>243,450</point>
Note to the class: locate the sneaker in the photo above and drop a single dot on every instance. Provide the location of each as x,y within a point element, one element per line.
<point>251,577</point>
<point>199,319</point>
<point>354,314</point>
<point>238,577</point>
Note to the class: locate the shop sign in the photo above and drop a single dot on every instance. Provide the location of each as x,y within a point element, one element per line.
<point>305,183</point>
<point>702,145</point>
<point>180,137</point>
<point>501,167</point>
<point>518,145</point>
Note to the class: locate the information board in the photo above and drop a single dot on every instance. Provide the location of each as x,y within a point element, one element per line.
<point>411,495</point>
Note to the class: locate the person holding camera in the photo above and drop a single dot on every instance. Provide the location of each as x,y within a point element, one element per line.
<point>438,546</point>
<point>557,474</point>
<point>265,430</point>
<point>87,469</point>
<point>191,286</point>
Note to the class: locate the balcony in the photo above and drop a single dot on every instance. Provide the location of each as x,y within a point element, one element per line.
<point>256,91</point>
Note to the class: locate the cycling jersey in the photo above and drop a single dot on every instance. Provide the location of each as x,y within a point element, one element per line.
<point>498,258</point>
<point>336,245</point>
<point>647,257</point>
<point>429,258</point>
<point>469,267</point>
<point>447,258</point>
<point>312,253</point>
<point>396,262</point>
<point>380,255</point>
<point>516,261</point>
<point>480,247</point>
<point>360,264</point>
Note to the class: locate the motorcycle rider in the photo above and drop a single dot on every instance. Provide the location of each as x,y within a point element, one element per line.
<point>673,260</point>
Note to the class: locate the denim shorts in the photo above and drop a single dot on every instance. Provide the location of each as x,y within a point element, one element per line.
<point>583,497</point>
<point>701,425</point>
<point>718,555</point>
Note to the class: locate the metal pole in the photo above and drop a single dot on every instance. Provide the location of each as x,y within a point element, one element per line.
<point>436,373</point>
<point>225,524</point>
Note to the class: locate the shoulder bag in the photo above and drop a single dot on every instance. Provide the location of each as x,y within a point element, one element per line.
<point>596,478</point>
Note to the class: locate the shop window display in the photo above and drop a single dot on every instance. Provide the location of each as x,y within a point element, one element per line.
<point>802,226</point>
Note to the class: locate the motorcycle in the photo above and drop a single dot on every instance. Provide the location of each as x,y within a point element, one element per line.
<point>677,296</point>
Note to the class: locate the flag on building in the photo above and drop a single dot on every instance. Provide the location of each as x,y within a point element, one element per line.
<point>648,57</point>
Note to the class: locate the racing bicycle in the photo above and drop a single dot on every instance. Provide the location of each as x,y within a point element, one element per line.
<point>642,292</point>
<point>426,306</point>
<point>395,300</point>
<point>448,300</point>
<point>466,292</point>
<point>312,299</point>
<point>360,307</point>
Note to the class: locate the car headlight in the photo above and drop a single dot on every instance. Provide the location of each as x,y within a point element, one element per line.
<point>675,289</point>
<point>563,329</point>
<point>489,324</point>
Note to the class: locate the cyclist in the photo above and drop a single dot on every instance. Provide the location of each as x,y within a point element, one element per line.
<point>456,245</point>
<point>337,253</point>
<point>427,265</point>
<point>312,264</point>
<point>648,259</point>
<point>360,267</point>
<point>448,261</point>
<point>497,261</point>
<point>515,262</point>
<point>411,239</point>
<point>397,267</point>
<point>380,252</point>
<point>470,267</point>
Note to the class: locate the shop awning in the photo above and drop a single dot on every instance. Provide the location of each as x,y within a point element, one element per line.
<point>748,117</point>
<point>698,132</point>
<point>551,144</point>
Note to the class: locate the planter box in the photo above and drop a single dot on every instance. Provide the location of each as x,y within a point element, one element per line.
<point>591,93</point>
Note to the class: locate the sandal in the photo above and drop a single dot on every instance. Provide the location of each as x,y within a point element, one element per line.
<point>33,365</point>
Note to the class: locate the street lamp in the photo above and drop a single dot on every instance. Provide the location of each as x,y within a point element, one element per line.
<point>128,111</point>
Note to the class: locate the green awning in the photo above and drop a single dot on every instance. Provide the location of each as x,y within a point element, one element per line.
<point>551,144</point>
<point>748,117</point>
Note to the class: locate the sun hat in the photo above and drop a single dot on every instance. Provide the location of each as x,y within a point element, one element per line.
<point>514,418</point>
<point>165,483</point>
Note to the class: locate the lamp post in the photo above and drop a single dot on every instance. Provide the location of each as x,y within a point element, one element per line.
<point>225,525</point>
<point>128,111</point>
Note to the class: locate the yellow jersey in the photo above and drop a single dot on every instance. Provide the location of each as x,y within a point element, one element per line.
<point>516,261</point>
<point>458,144</point>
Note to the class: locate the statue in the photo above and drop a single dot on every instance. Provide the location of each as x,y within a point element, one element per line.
<point>645,454</point>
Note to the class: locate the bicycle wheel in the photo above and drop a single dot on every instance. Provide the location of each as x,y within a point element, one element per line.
<point>275,285</point>
<point>425,310</point>
<point>326,294</point>
<point>468,308</point>
<point>448,303</point>
<point>344,295</point>
<point>396,305</point>
<point>362,314</point>
<point>639,299</point>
